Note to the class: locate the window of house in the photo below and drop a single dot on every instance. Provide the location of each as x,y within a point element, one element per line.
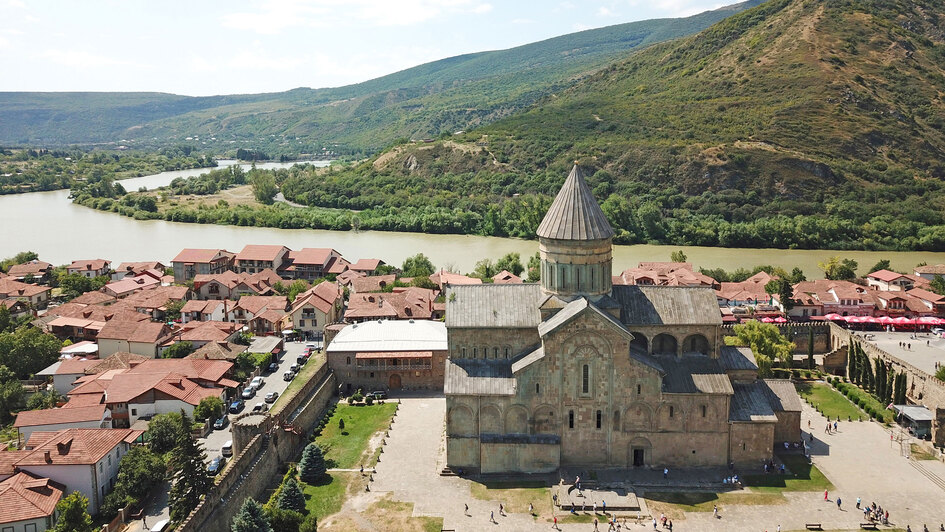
<point>463,350</point>
<point>372,374</point>
<point>599,417</point>
<point>301,323</point>
<point>703,410</point>
<point>672,411</point>
<point>585,379</point>
<point>134,411</point>
<point>570,419</point>
<point>109,460</point>
<point>101,467</point>
<point>577,280</point>
<point>348,360</point>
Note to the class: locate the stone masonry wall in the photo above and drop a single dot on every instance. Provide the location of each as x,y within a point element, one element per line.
<point>799,334</point>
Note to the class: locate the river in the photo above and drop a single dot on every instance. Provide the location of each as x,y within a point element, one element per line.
<point>51,225</point>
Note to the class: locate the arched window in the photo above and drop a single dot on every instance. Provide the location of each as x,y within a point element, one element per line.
<point>599,417</point>
<point>570,419</point>
<point>639,389</point>
<point>507,353</point>
<point>464,352</point>
<point>475,352</point>
<point>495,352</point>
<point>577,278</point>
<point>537,388</point>
<point>672,411</point>
<point>616,419</point>
<point>703,410</point>
<point>348,361</point>
<point>585,379</point>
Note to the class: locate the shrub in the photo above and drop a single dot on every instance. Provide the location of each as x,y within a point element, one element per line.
<point>369,400</point>
<point>341,423</point>
<point>291,497</point>
<point>312,466</point>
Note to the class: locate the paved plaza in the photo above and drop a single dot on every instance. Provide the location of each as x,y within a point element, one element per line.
<point>859,459</point>
<point>922,350</point>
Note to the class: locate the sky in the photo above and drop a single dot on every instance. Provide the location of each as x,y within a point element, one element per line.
<point>205,47</point>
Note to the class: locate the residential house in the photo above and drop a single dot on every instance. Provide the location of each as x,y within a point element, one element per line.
<point>16,307</point>
<point>367,266</point>
<point>263,314</point>
<point>256,258</point>
<point>506,277</point>
<point>373,283</point>
<point>36,296</point>
<point>127,286</point>
<point>315,308</point>
<point>837,297</point>
<point>28,503</point>
<point>94,298</point>
<point>231,285</point>
<point>664,274</point>
<point>346,278</point>
<point>153,302</point>
<point>928,272</point>
<point>311,263</point>
<point>84,460</point>
<point>218,351</point>
<point>90,268</point>
<point>192,262</point>
<point>932,300</point>
<point>67,371</point>
<point>200,333</point>
<point>126,270</point>
<point>35,271</point>
<point>209,310</point>
<point>142,338</point>
<point>56,419</point>
<point>445,278</point>
<point>410,303</point>
<point>750,292</point>
<point>892,281</point>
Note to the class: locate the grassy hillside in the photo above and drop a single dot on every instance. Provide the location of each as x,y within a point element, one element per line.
<point>447,95</point>
<point>799,123</point>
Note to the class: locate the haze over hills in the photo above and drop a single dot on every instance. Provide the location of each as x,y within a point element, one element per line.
<point>799,123</point>
<point>447,95</point>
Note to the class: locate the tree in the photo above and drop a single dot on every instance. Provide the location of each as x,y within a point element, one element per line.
<point>139,471</point>
<point>264,186</point>
<point>511,262</point>
<point>417,266</point>
<point>172,309</point>
<point>43,400</point>
<point>766,342</point>
<point>291,496</point>
<point>783,289</point>
<point>678,256</point>
<point>280,519</point>
<point>881,265</point>
<point>165,431</point>
<point>938,285</point>
<point>534,268</point>
<point>178,350</point>
<point>73,516</point>
<point>312,466</point>
<point>11,394</point>
<point>209,408</point>
<point>310,524</point>
<point>190,478</point>
<point>810,348</point>
<point>28,350</point>
<point>836,269</point>
<point>251,518</point>
<point>853,372</point>
<point>485,269</point>
<point>797,276</point>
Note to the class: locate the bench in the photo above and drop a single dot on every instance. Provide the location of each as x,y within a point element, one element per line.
<point>869,526</point>
<point>814,526</point>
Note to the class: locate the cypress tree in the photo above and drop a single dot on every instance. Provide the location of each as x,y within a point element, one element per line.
<point>880,384</point>
<point>852,371</point>
<point>810,348</point>
<point>190,477</point>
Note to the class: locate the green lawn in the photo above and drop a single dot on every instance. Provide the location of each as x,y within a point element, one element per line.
<point>857,392</point>
<point>674,503</point>
<point>515,496</point>
<point>830,402</point>
<point>802,477</point>
<point>305,374</point>
<point>348,448</point>
<point>327,499</point>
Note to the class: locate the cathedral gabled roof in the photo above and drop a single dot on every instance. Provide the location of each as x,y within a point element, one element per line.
<point>575,214</point>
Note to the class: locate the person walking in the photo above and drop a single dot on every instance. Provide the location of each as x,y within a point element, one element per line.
<point>595,525</point>
<point>555,525</point>
<point>835,425</point>
<point>825,496</point>
<point>858,503</point>
<point>531,509</point>
<point>715,511</point>
<point>492,517</point>
<point>501,509</point>
<point>466,510</point>
<point>665,472</point>
<point>838,504</point>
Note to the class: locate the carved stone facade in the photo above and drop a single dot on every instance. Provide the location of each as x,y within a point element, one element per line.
<point>576,372</point>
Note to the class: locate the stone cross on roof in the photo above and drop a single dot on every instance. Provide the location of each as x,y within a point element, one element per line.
<point>575,214</point>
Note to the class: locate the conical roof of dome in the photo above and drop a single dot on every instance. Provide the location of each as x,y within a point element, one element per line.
<point>575,214</point>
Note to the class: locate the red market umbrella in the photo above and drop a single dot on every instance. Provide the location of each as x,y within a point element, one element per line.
<point>780,319</point>
<point>902,320</point>
<point>928,320</point>
<point>833,317</point>
<point>853,319</point>
<point>885,320</point>
<point>767,320</point>
<point>870,319</point>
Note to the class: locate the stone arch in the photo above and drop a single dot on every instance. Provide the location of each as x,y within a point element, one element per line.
<point>640,343</point>
<point>696,343</point>
<point>638,416</point>
<point>461,421</point>
<point>544,420</point>
<point>639,452</point>
<point>490,420</point>
<point>671,417</point>
<point>516,420</point>
<point>665,344</point>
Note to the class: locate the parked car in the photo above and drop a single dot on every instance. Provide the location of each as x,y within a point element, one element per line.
<point>257,383</point>
<point>249,393</point>
<point>379,394</point>
<point>289,375</point>
<point>220,423</point>
<point>271,397</point>
<point>260,407</point>
<point>216,465</point>
<point>937,330</point>
<point>161,526</point>
<point>227,448</point>
<point>236,406</point>
<point>295,367</point>
<point>301,360</point>
<point>273,367</point>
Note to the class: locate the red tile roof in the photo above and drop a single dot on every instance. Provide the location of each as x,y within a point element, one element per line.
<point>54,416</point>
<point>506,277</point>
<point>33,267</point>
<point>373,283</point>
<point>93,264</point>
<point>313,256</point>
<point>256,304</point>
<point>140,332</point>
<point>140,267</point>
<point>261,252</point>
<point>93,298</point>
<point>199,256</point>
<point>885,275</point>
<point>126,286</point>
<point>27,496</point>
<point>931,269</point>
<point>75,447</point>
<point>366,265</point>
<point>11,288</point>
<point>337,266</point>
<point>84,400</point>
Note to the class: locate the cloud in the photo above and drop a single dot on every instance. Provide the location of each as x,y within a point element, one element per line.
<point>82,59</point>
<point>273,16</point>
<point>605,12</point>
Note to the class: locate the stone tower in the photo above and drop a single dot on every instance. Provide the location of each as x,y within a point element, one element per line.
<point>574,241</point>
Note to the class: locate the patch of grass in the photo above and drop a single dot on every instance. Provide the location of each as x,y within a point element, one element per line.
<point>921,453</point>
<point>829,402</point>
<point>868,401</point>
<point>305,374</point>
<point>802,477</point>
<point>674,503</point>
<point>348,448</point>
<point>515,497</point>
<point>385,514</point>
<point>327,499</point>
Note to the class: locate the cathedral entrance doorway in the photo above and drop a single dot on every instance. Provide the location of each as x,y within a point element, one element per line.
<point>638,457</point>
<point>394,382</point>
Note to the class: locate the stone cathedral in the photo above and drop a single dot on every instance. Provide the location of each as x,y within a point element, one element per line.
<point>577,372</point>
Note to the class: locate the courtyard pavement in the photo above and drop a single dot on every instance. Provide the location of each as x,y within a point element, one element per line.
<point>923,351</point>
<point>859,459</point>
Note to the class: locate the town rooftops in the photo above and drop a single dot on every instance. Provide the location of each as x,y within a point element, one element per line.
<point>133,331</point>
<point>11,288</point>
<point>312,256</point>
<point>374,283</point>
<point>261,252</point>
<point>930,269</point>
<point>218,351</point>
<point>885,275</point>
<point>391,335</point>
<point>94,298</point>
<point>575,213</point>
<point>89,265</point>
<point>200,256</point>
<point>55,416</point>
<point>77,446</point>
<point>366,265</point>
<point>33,267</point>
<point>28,497</point>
